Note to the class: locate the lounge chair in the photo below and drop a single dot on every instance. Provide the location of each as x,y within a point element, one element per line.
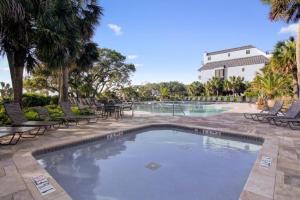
<point>73,101</point>
<point>292,123</point>
<point>44,114</point>
<point>248,99</point>
<point>240,99</point>
<point>287,118</point>
<point>13,134</point>
<point>261,116</point>
<point>14,112</point>
<point>254,99</point>
<point>70,117</point>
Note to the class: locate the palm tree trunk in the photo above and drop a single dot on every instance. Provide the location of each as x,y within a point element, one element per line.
<point>64,84</point>
<point>295,84</point>
<point>16,62</point>
<point>298,58</point>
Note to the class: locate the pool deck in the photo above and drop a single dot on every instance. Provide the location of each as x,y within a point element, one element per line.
<point>280,181</point>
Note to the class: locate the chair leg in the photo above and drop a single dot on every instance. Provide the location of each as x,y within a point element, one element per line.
<point>293,126</point>
<point>32,135</point>
<point>43,132</point>
<point>12,139</point>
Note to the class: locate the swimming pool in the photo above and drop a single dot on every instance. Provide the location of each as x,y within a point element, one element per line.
<point>181,108</point>
<point>157,163</point>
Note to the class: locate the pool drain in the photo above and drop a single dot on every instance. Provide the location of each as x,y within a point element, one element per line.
<point>153,166</point>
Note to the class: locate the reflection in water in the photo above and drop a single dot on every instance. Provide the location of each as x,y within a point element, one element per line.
<point>78,165</point>
<point>219,143</point>
<point>154,165</point>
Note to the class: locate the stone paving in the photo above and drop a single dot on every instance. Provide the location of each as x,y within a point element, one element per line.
<point>280,181</point>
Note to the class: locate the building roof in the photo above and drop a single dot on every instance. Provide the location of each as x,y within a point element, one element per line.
<point>231,50</point>
<point>236,62</point>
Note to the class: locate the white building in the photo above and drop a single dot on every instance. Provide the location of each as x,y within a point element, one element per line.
<point>243,61</point>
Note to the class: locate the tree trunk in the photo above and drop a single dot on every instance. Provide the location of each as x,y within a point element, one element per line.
<point>295,84</point>
<point>16,62</point>
<point>64,84</point>
<point>298,58</point>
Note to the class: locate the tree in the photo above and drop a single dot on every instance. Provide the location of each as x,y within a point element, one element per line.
<point>18,28</point>
<point>74,23</point>
<point>42,80</point>
<point>164,93</point>
<point>109,72</point>
<point>271,85</point>
<point>176,88</point>
<point>5,90</point>
<point>195,89</point>
<point>55,32</point>
<point>284,61</point>
<point>235,84</point>
<point>214,86</point>
<point>129,93</point>
<point>288,11</point>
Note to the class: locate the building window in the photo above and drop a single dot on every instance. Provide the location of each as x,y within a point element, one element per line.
<point>219,73</point>
<point>209,58</point>
<point>243,69</point>
<point>228,54</point>
<point>248,51</point>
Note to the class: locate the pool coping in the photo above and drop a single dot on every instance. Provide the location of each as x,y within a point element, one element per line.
<point>260,183</point>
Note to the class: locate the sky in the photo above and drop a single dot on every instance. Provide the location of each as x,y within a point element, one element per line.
<point>166,39</point>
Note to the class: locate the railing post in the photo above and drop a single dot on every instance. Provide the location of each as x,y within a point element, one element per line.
<point>173,108</point>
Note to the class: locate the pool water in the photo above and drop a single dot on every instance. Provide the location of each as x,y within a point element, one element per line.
<point>158,164</point>
<point>181,108</point>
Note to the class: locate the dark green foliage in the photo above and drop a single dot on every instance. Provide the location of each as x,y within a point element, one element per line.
<point>31,100</point>
<point>3,117</point>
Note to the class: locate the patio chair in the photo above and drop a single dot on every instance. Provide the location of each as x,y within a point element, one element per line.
<point>14,134</point>
<point>240,99</point>
<point>73,101</point>
<point>44,114</point>
<point>261,116</point>
<point>70,117</point>
<point>254,100</point>
<point>14,112</point>
<point>289,117</point>
<point>127,107</point>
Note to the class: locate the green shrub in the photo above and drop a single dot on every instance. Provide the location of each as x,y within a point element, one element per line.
<point>31,114</point>
<point>54,111</point>
<point>31,100</point>
<point>54,100</point>
<point>3,117</point>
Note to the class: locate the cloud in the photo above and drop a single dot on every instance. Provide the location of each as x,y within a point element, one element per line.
<point>116,29</point>
<point>132,57</point>
<point>290,29</point>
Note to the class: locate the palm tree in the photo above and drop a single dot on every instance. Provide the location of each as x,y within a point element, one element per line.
<point>164,93</point>
<point>284,61</point>
<point>288,11</point>
<point>74,22</point>
<point>195,89</point>
<point>271,85</point>
<point>17,30</point>
<point>214,86</point>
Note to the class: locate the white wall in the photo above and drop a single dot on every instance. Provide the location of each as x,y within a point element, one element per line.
<point>248,74</point>
<point>233,55</point>
<point>249,71</point>
<point>205,75</point>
